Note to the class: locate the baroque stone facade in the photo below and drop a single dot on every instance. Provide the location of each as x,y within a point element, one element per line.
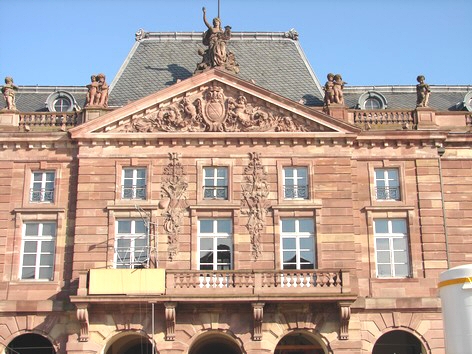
<point>217,216</point>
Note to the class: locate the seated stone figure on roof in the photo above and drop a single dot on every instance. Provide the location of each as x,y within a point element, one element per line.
<point>216,54</point>
<point>9,92</point>
<point>422,92</point>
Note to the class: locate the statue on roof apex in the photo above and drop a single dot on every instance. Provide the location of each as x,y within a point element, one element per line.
<point>422,92</point>
<point>329,89</point>
<point>216,55</point>
<point>9,92</point>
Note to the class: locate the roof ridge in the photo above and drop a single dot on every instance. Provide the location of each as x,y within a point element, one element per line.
<point>198,35</point>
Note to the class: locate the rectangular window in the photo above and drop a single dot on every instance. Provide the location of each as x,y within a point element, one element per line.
<point>215,244</point>
<point>42,187</point>
<point>131,244</point>
<point>298,243</point>
<point>387,184</point>
<point>391,248</point>
<point>134,183</point>
<point>295,181</point>
<point>38,250</point>
<point>215,183</point>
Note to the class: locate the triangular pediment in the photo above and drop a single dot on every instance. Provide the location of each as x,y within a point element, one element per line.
<point>212,102</point>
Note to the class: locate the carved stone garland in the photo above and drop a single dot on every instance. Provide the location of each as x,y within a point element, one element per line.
<point>212,111</point>
<point>254,201</point>
<point>174,194</point>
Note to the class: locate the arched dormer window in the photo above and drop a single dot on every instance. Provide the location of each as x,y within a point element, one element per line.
<point>61,101</point>
<point>467,104</point>
<point>371,100</point>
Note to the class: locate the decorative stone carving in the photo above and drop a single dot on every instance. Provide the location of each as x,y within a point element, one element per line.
<point>216,55</point>
<point>329,89</point>
<point>174,194</point>
<point>170,320</point>
<point>422,92</point>
<point>82,317</point>
<point>211,110</point>
<point>9,92</point>
<point>254,201</point>
<point>345,315</point>
<point>140,35</point>
<point>292,34</point>
<point>338,89</point>
<point>97,94</point>
<point>258,313</point>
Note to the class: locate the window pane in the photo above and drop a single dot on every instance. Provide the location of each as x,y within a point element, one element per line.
<point>289,266</point>
<point>47,247</point>
<point>29,260</point>
<point>288,225</point>
<point>30,246</point>
<point>141,173</point>
<point>306,225</point>
<point>49,229</point>
<point>224,243</point>
<point>46,260</point>
<point>288,243</point>
<point>124,226</point>
<point>307,266</point>
<point>400,257</point>
<point>401,270</point>
<point>399,226</point>
<point>288,172</point>
<point>384,270</point>
<point>208,172</point>
<point>289,256</point>
<point>224,226</point>
<point>45,273</point>
<point>206,226</point>
<point>224,257</point>
<point>306,243</point>
<point>307,257</point>
<point>206,243</point>
<point>140,242</point>
<point>221,172</point>
<point>382,243</point>
<point>206,257</point>
<point>381,226</point>
<point>27,273</point>
<point>31,229</point>
<point>392,175</point>
<point>139,227</point>
<point>399,243</point>
<point>123,243</point>
<point>383,256</point>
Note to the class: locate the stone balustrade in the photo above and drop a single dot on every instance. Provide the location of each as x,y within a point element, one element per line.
<point>384,117</point>
<point>40,120</point>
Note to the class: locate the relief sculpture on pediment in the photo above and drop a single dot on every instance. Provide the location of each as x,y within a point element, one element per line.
<point>213,111</point>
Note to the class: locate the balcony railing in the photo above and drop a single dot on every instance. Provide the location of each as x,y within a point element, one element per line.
<point>385,117</point>
<point>387,193</point>
<point>213,192</point>
<point>42,195</point>
<point>35,120</point>
<point>246,283</point>
<point>133,192</point>
<point>296,192</point>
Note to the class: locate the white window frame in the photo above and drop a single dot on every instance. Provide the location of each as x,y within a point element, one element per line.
<point>134,260</point>
<point>39,239</point>
<point>211,182</point>
<point>137,192</point>
<point>298,236</point>
<point>215,236</point>
<point>45,195</point>
<point>391,185</point>
<point>394,253</point>
<point>295,179</point>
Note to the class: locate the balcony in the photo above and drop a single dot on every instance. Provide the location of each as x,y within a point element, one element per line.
<point>204,286</point>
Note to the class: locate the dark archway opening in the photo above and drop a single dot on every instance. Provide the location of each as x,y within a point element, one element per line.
<point>30,343</point>
<point>131,344</point>
<point>215,345</point>
<point>398,342</point>
<point>297,343</point>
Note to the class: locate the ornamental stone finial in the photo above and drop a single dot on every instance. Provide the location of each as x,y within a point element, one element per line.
<point>9,91</point>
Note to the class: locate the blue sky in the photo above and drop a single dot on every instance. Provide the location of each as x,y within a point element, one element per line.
<point>369,42</point>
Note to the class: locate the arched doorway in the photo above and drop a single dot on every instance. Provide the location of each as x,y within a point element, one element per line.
<point>131,343</point>
<point>398,342</point>
<point>299,343</point>
<point>30,343</point>
<point>215,344</point>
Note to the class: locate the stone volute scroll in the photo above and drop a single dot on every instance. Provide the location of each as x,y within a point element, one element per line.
<point>83,318</point>
<point>258,313</point>
<point>170,320</point>
<point>217,54</point>
<point>9,92</point>
<point>422,92</point>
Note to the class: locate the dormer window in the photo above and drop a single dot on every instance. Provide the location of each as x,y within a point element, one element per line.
<point>372,100</point>
<point>61,101</point>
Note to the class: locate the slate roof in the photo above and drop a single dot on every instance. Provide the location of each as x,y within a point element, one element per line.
<point>443,98</point>
<point>273,61</point>
<point>33,98</point>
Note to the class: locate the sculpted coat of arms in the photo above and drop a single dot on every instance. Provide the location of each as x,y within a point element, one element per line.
<point>211,110</point>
